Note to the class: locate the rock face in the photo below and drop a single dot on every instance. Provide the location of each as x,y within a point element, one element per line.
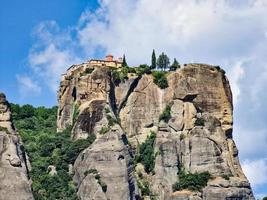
<point>197,137</point>
<point>14,182</point>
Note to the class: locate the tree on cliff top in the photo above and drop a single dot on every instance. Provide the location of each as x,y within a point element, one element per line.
<point>175,65</point>
<point>153,60</point>
<point>163,61</point>
<point>124,63</point>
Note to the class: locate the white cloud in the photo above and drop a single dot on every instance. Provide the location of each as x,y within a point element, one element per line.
<point>27,86</point>
<point>256,171</point>
<point>52,54</point>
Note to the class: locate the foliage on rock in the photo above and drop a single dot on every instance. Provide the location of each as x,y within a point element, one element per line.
<point>146,154</point>
<point>166,114</point>
<point>191,181</point>
<point>160,79</point>
<point>45,147</point>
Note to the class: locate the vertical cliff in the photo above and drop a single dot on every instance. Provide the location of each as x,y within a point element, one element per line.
<point>195,137</point>
<point>14,182</point>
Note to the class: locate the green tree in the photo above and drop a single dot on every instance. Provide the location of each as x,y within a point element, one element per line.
<point>153,60</point>
<point>264,198</point>
<point>163,61</point>
<point>175,65</point>
<point>124,63</point>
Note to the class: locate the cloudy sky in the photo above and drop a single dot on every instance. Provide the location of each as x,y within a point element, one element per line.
<point>41,39</point>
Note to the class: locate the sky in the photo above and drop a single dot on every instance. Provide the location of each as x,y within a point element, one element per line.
<point>40,39</point>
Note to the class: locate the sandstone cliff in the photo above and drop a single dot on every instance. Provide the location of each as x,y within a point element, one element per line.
<point>14,182</point>
<point>196,138</point>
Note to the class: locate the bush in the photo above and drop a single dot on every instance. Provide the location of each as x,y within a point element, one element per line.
<point>89,70</point>
<point>160,79</point>
<point>264,198</point>
<point>200,122</point>
<point>104,130</point>
<point>112,121</point>
<point>144,187</point>
<point>227,177</point>
<point>191,181</point>
<point>75,113</point>
<point>146,154</point>
<point>166,115</point>
<point>119,76</point>
<point>143,69</point>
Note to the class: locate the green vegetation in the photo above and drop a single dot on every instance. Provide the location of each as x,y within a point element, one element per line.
<point>144,187</point>
<point>112,120</point>
<point>3,129</point>
<point>153,60</point>
<point>220,70</point>
<point>160,79</point>
<point>104,130</point>
<point>264,198</point>
<point>107,110</point>
<point>166,114</point>
<point>75,113</point>
<point>175,65</point>
<point>226,177</point>
<point>200,122</point>
<point>146,154</point>
<point>44,146</point>
<point>191,181</point>
<point>124,63</point>
<point>143,69</point>
<point>163,61</point>
<point>89,70</point>
<point>119,76</point>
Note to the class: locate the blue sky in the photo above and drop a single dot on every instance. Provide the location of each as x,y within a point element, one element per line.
<point>41,39</point>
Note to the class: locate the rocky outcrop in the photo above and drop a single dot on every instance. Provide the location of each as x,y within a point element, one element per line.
<point>14,182</point>
<point>196,138</point>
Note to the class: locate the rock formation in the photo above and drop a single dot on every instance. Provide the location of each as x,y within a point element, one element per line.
<point>14,182</point>
<point>197,137</point>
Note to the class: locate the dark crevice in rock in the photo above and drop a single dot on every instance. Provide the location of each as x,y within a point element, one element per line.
<point>22,155</point>
<point>112,97</point>
<point>131,89</point>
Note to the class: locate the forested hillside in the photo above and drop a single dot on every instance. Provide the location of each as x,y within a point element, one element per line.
<point>48,149</point>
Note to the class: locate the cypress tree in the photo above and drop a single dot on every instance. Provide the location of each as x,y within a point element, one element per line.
<point>153,60</point>
<point>124,63</point>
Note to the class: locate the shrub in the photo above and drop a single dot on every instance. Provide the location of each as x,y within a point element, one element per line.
<point>107,110</point>
<point>200,122</point>
<point>112,121</point>
<point>143,69</point>
<point>166,114</point>
<point>146,154</point>
<point>75,113</point>
<point>220,70</point>
<point>119,76</point>
<point>191,181</point>
<point>104,130</point>
<point>3,129</point>
<point>160,79</point>
<point>144,187</point>
<point>89,70</point>
<point>226,177</point>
